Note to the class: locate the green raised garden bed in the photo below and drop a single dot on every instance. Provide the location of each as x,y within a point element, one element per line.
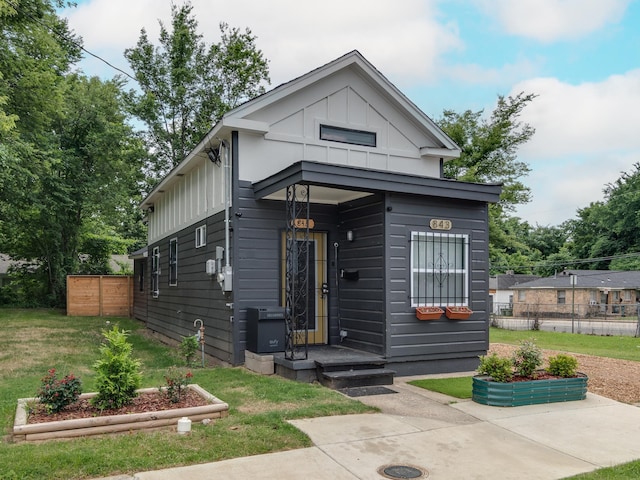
<point>529,392</point>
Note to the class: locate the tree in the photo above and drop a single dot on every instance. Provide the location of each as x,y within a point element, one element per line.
<point>186,86</point>
<point>610,228</point>
<point>489,148</point>
<point>74,188</point>
<point>508,248</point>
<point>70,165</point>
<point>548,240</point>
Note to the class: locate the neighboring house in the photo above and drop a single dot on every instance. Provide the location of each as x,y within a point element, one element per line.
<point>501,290</point>
<point>325,195</point>
<point>5,265</point>
<point>120,264</point>
<point>583,292</point>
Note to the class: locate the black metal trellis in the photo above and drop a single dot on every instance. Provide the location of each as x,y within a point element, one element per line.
<point>297,273</point>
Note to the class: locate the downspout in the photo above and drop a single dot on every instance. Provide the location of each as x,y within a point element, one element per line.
<point>227,200</point>
<point>225,278</point>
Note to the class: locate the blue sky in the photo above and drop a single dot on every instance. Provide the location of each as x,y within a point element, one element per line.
<point>581,57</point>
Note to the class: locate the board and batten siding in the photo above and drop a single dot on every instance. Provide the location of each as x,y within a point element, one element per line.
<point>192,197</point>
<point>362,301</point>
<point>443,339</point>
<point>196,295</point>
<point>341,100</point>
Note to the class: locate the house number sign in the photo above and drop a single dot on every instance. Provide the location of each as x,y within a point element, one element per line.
<point>302,223</point>
<point>440,224</point>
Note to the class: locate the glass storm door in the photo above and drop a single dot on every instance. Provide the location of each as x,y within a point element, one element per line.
<point>316,293</point>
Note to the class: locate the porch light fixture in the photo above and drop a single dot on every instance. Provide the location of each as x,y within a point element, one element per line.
<point>214,155</point>
<point>350,235</point>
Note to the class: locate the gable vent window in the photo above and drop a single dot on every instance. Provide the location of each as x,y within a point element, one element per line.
<point>347,135</point>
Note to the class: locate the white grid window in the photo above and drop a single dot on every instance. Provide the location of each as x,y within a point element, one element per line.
<point>439,269</point>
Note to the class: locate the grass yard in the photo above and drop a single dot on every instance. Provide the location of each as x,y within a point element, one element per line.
<point>624,348</point>
<point>458,387</point>
<point>33,341</point>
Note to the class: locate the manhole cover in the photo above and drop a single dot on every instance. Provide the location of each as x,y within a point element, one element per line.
<point>402,471</point>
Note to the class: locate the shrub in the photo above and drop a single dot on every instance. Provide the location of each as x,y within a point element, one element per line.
<point>188,348</point>
<point>563,365</point>
<point>500,369</point>
<point>177,381</point>
<point>55,394</point>
<point>527,358</point>
<point>117,372</point>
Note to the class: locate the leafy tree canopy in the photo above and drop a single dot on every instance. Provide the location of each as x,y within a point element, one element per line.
<point>187,85</point>
<point>610,227</point>
<point>489,147</point>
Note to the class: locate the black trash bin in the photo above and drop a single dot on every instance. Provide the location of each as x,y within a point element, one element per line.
<point>265,329</point>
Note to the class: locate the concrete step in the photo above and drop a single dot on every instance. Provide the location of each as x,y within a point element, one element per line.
<point>340,379</point>
<point>351,364</point>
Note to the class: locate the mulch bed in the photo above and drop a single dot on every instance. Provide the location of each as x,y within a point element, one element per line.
<point>144,402</point>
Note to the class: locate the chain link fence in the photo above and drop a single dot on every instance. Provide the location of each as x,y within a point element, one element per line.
<point>591,319</point>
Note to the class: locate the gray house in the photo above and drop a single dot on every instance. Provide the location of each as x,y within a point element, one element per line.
<point>315,218</point>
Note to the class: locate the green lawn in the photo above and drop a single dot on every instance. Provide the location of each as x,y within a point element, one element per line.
<point>34,341</point>
<point>625,348</point>
<point>459,387</point>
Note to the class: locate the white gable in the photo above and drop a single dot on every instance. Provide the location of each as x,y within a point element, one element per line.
<point>345,98</point>
<point>282,127</point>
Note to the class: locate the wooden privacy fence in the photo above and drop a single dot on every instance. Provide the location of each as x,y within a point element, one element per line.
<point>99,295</point>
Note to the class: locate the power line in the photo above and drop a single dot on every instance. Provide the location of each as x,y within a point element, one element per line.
<point>16,7</point>
<point>568,262</point>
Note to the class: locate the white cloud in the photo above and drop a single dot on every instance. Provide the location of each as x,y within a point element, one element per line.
<point>585,119</point>
<point>586,135</point>
<point>505,75</point>
<point>551,20</point>
<point>404,43</point>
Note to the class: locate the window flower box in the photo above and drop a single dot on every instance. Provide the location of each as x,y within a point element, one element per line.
<point>428,313</point>
<point>458,313</point>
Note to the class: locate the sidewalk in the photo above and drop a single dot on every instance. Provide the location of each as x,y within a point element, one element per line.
<point>424,432</point>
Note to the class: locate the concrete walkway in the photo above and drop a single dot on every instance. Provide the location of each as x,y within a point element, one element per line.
<point>425,432</point>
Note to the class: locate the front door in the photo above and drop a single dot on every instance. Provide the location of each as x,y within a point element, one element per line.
<point>317,292</point>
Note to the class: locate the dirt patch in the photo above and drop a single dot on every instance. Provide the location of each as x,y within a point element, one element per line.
<point>609,377</point>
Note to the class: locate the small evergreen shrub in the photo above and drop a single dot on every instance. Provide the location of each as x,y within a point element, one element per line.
<point>500,369</point>
<point>527,359</point>
<point>55,393</point>
<point>563,365</point>
<point>117,372</point>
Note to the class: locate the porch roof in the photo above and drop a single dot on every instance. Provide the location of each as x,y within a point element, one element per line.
<point>347,182</point>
